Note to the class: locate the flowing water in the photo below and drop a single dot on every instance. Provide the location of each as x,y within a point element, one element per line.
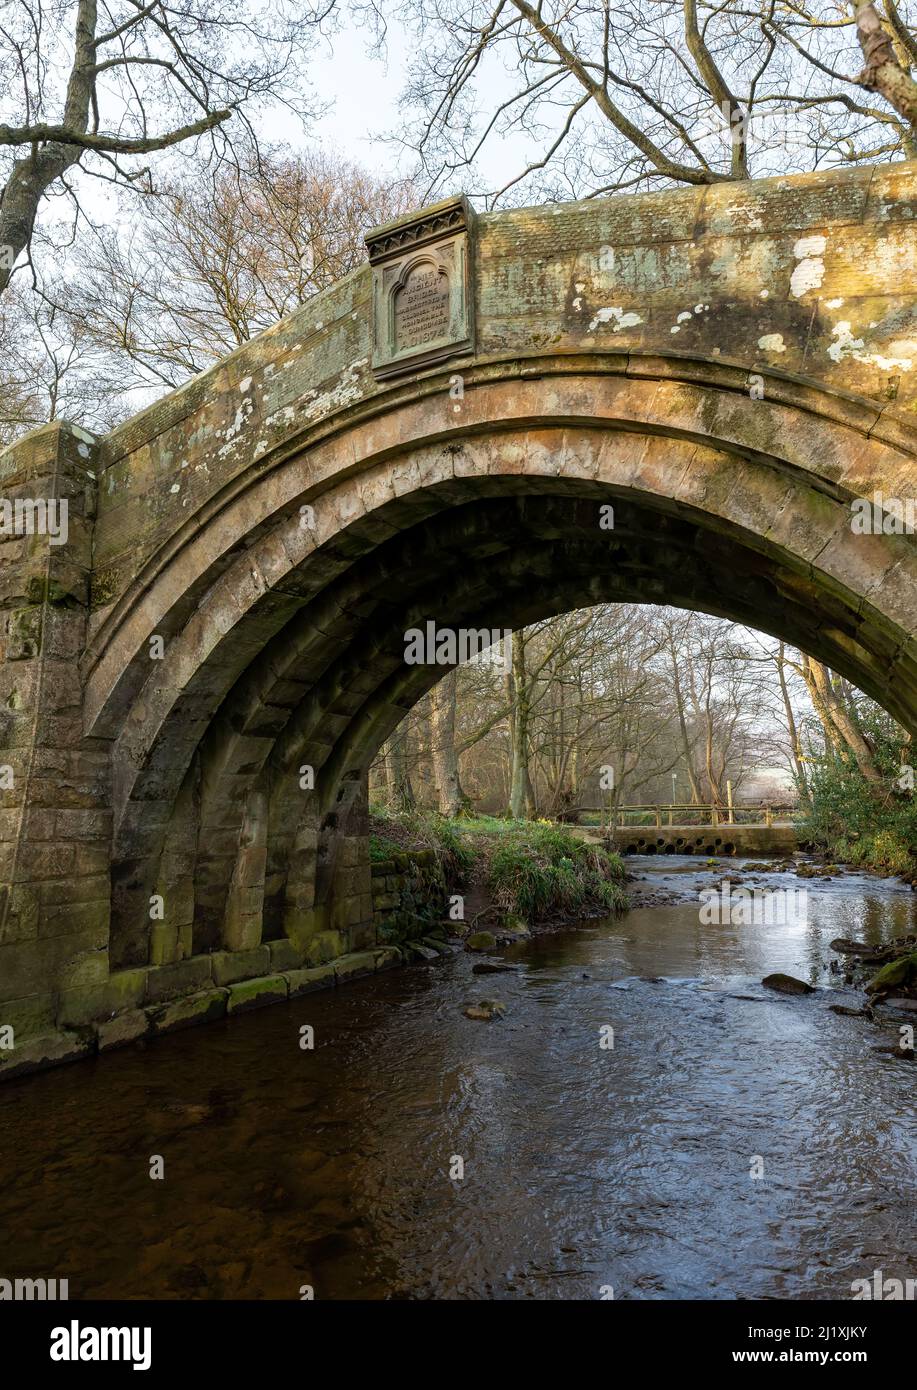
<point>584,1167</point>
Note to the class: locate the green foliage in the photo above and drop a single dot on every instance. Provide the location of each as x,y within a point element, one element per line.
<point>533,869</point>
<point>483,824</point>
<point>381,849</point>
<point>541,871</point>
<point>856,821</point>
<point>395,834</point>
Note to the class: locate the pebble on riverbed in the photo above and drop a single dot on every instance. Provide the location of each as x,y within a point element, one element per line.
<point>485,1010</point>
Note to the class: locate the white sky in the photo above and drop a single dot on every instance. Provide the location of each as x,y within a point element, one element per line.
<point>355,126</point>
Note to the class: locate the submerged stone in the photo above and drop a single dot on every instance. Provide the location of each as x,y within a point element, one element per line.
<point>485,1010</point>
<point>786,984</point>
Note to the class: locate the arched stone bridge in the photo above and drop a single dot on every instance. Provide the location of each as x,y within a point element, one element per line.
<point>432,438</point>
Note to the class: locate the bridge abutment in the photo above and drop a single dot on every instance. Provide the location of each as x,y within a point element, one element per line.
<point>184,956</point>
<point>56,824</point>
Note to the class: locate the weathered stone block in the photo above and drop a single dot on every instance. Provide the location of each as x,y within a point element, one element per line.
<point>253,994</point>
<point>230,966</point>
<point>352,966</point>
<point>124,1029</point>
<point>323,947</point>
<point>183,977</point>
<point>204,1007</point>
<point>30,1017</point>
<point>49,1050</point>
<point>285,955</point>
<point>23,634</point>
<point>305,981</point>
<point>61,962</point>
<point>125,989</point>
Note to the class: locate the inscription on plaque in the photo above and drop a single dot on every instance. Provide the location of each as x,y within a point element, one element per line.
<point>422,308</point>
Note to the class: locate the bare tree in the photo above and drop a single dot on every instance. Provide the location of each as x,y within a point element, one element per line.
<point>47,371</point>
<point>447,784</point>
<point>216,260</point>
<point>104,85</point>
<point>595,96</point>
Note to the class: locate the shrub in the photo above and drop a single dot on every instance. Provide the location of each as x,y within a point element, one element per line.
<point>859,822</point>
<point>394,834</point>
<point>543,871</point>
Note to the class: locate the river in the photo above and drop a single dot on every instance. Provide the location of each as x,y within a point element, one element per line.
<point>585,1167</point>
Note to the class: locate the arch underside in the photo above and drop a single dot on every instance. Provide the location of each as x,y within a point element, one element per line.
<point>288,651</point>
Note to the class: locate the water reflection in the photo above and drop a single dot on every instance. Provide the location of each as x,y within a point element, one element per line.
<point>583,1166</point>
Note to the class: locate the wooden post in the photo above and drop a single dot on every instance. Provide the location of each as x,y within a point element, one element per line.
<point>714,816</point>
<point>729,800</point>
<point>768,818</point>
<point>658,818</point>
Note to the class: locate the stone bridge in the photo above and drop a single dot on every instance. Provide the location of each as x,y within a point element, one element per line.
<point>672,398</point>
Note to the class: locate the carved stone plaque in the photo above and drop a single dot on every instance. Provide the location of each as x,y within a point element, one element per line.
<point>422,311</point>
<point>422,307</point>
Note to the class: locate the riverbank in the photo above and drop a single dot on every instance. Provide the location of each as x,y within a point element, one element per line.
<point>502,879</point>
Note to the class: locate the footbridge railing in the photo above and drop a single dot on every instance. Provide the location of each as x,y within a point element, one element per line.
<point>661,814</point>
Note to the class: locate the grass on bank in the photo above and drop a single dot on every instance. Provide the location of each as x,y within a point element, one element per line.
<point>533,870</point>
<point>543,871</point>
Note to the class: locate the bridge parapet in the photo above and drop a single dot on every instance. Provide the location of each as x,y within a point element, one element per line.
<point>814,275</point>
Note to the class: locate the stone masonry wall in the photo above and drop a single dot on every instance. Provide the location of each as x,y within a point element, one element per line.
<point>55,826</point>
<point>405,887</point>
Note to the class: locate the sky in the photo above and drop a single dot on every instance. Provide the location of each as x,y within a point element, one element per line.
<point>353,126</point>
<point>357,127</point>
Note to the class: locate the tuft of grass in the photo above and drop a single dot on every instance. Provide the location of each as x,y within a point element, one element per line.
<point>541,871</point>
<point>397,834</point>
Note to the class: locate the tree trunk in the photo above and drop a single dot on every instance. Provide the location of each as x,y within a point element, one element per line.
<point>446,784</point>
<point>400,792</point>
<point>801,780</point>
<point>840,727</point>
<point>683,727</point>
<point>520,796</point>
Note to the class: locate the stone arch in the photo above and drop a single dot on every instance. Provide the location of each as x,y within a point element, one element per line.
<point>282,642</point>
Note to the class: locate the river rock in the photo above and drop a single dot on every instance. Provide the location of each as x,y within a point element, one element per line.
<point>514,928</point>
<point>489,967</point>
<point>786,984</point>
<point>845,1012</point>
<point>845,947</point>
<point>903,1054</point>
<point>897,972</point>
<point>481,941</point>
<point>898,1001</point>
<point>485,1010</point>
